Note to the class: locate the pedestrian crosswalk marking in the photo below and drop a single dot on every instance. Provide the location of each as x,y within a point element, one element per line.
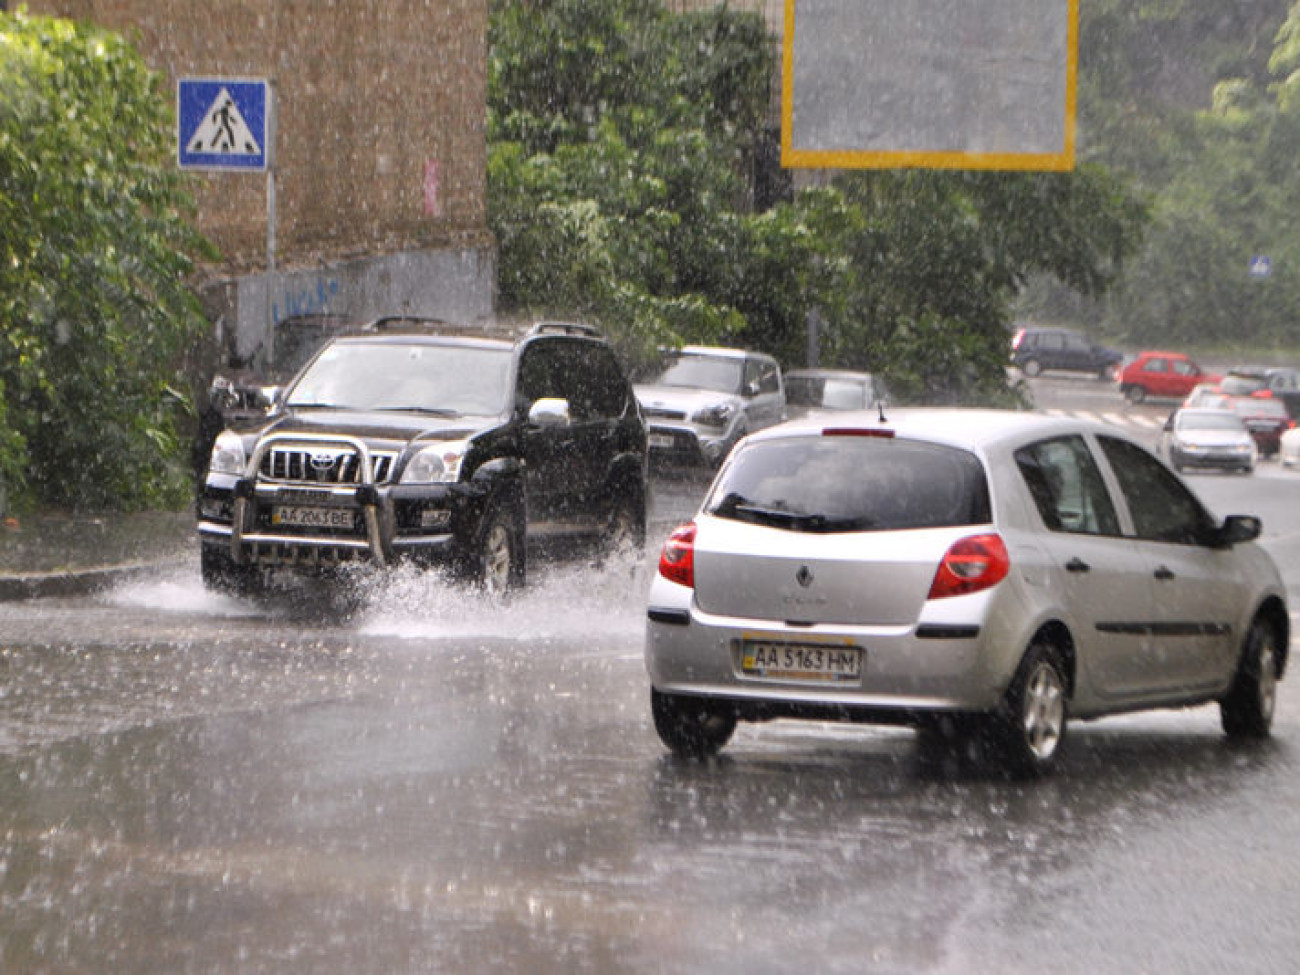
<point>1110,418</point>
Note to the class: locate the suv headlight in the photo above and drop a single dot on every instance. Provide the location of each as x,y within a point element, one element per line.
<point>228,456</point>
<point>718,415</point>
<point>436,463</point>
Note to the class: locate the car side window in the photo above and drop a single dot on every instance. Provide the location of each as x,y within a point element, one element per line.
<point>541,373</point>
<point>1156,365</point>
<point>1067,486</point>
<point>598,388</point>
<point>768,379</point>
<point>1163,509</point>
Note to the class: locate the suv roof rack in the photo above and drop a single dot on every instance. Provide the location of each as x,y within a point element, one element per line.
<point>566,328</point>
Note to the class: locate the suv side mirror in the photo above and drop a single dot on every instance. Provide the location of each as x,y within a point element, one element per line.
<point>549,412</point>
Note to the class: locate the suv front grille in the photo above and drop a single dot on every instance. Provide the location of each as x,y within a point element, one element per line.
<point>327,464</point>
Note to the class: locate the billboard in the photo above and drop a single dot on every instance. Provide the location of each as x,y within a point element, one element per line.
<point>953,84</point>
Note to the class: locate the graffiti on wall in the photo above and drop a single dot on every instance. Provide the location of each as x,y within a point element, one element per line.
<point>312,296</point>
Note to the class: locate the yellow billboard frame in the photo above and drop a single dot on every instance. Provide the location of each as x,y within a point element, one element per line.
<point>797,158</point>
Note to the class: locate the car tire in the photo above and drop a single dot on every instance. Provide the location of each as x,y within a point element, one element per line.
<point>1028,730</point>
<point>221,574</point>
<point>625,531</point>
<point>1031,367</point>
<point>498,561</point>
<point>1135,394</point>
<point>1247,709</point>
<point>691,727</point>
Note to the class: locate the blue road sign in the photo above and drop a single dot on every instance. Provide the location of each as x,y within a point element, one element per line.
<point>222,123</point>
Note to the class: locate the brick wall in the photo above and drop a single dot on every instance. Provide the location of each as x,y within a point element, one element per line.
<point>368,95</point>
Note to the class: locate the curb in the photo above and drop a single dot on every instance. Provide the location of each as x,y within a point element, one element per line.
<point>73,582</point>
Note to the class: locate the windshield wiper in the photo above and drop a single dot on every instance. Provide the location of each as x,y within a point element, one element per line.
<point>426,410</point>
<point>741,508</point>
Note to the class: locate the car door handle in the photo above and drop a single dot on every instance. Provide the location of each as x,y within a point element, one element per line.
<point>1077,564</point>
<point>1164,572</point>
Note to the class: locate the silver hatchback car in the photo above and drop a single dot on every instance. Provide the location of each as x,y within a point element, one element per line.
<point>992,573</point>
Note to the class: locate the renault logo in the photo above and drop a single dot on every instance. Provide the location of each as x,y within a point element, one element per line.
<point>804,576</point>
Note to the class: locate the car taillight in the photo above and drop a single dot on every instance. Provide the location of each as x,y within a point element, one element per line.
<point>971,564</point>
<point>677,560</point>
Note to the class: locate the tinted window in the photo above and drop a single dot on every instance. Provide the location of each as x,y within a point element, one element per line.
<point>1067,486</point>
<point>1162,508</point>
<point>852,483</point>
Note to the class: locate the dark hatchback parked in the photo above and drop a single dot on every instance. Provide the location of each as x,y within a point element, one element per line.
<point>1034,349</point>
<point>433,446</point>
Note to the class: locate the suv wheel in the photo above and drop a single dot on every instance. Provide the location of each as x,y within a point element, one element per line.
<point>498,562</point>
<point>626,529</point>
<point>221,574</point>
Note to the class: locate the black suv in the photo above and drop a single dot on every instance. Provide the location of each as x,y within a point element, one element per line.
<point>1034,349</point>
<point>430,445</point>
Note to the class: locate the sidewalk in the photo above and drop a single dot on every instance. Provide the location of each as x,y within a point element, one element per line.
<point>58,554</point>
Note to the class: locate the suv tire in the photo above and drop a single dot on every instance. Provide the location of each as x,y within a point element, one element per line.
<point>498,560</point>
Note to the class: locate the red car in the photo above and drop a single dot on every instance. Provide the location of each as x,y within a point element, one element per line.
<point>1266,418</point>
<point>1166,375</point>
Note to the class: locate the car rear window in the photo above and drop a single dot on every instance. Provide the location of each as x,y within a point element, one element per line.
<point>843,483</point>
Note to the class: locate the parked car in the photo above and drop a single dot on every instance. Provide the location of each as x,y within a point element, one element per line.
<point>809,390</point>
<point>706,400</point>
<point>434,446</point>
<point>1163,375</point>
<point>1289,448</point>
<point>997,573</point>
<point>1208,396</point>
<point>1034,348</point>
<point>1266,418</point>
<point>1208,437</point>
<point>1281,382</point>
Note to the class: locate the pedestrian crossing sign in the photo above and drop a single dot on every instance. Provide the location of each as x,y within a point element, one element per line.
<point>222,123</point>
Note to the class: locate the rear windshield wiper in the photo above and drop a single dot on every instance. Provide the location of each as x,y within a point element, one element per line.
<point>742,509</point>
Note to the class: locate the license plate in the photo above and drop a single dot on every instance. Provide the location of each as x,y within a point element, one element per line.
<point>297,516</point>
<point>662,440</point>
<point>800,661</point>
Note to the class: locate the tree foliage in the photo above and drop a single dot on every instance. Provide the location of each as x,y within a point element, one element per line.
<point>94,251</point>
<point>623,141</point>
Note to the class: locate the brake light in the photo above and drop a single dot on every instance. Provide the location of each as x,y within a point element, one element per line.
<point>882,432</point>
<point>677,560</point>
<point>970,565</point>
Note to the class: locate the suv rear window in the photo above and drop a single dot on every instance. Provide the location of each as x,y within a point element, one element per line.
<point>841,483</point>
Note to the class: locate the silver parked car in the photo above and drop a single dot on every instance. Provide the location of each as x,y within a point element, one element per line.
<point>996,573</point>
<point>1208,437</point>
<point>706,400</point>
<point>809,390</point>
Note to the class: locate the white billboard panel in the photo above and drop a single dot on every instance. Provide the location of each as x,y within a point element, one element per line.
<point>962,84</point>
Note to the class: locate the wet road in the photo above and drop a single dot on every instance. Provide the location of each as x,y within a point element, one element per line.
<point>195,784</point>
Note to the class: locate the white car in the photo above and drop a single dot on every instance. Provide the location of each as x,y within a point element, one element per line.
<point>1289,451</point>
<point>994,572</point>
<point>707,398</point>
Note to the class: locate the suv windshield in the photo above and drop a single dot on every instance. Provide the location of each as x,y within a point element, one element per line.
<point>841,483</point>
<point>414,376</point>
<point>704,372</point>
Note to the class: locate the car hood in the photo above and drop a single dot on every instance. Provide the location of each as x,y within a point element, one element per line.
<point>681,398</point>
<point>376,427</point>
<point>1213,438</point>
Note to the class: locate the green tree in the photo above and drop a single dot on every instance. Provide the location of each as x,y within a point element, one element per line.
<point>95,248</point>
<point>622,147</point>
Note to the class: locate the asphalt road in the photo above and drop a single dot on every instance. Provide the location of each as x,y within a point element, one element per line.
<point>195,784</point>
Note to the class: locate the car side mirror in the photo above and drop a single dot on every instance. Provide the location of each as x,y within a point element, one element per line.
<point>549,412</point>
<point>1235,530</point>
